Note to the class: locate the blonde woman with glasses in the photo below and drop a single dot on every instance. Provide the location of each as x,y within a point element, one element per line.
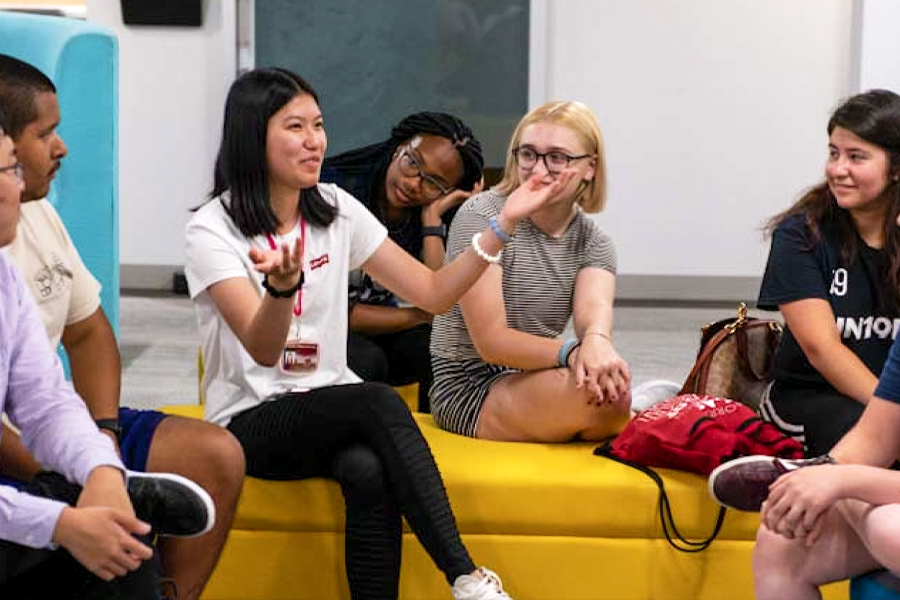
<point>501,369</point>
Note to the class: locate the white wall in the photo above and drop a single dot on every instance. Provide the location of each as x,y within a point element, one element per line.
<point>713,112</point>
<point>879,45</point>
<point>173,82</point>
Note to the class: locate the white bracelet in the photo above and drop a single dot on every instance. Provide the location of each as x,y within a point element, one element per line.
<point>482,254</point>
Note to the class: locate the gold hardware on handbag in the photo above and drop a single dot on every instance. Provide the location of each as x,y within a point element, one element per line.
<point>735,358</point>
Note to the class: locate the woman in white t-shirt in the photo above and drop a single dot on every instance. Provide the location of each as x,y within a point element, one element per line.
<point>268,259</point>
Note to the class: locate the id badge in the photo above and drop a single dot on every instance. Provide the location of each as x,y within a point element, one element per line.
<point>299,357</point>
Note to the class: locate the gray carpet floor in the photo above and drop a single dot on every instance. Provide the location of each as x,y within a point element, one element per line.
<point>158,338</point>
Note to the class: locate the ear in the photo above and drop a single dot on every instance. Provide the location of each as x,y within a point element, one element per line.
<point>592,170</point>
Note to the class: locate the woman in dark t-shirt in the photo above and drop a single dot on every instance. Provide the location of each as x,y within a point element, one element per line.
<point>412,182</point>
<point>834,273</point>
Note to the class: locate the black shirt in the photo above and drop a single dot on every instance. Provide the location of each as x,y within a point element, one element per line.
<point>799,268</point>
<point>360,180</point>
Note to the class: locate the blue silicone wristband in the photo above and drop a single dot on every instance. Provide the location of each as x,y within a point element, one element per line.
<point>504,237</point>
<point>562,357</point>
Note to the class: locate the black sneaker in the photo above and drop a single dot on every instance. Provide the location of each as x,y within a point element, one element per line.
<point>173,505</point>
<point>743,483</point>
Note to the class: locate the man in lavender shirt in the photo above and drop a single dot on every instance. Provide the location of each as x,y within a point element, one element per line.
<point>79,542</point>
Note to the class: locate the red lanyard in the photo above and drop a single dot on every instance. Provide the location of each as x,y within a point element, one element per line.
<point>298,307</point>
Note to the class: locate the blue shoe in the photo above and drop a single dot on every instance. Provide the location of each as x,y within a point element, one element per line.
<point>173,505</point>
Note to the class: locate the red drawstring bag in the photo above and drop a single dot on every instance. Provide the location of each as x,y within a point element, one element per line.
<point>694,433</point>
<point>698,433</point>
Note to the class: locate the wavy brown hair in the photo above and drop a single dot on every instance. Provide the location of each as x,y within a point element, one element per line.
<point>873,116</point>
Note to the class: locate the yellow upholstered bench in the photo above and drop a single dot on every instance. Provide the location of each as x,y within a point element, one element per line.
<point>556,522</point>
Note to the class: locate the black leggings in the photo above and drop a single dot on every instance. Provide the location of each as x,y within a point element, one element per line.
<point>396,358</point>
<point>363,437</point>
<point>39,574</point>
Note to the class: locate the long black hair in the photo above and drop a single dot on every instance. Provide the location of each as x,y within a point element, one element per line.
<point>873,116</point>
<point>433,123</point>
<point>241,166</point>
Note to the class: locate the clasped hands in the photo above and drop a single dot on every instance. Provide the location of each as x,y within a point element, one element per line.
<point>599,368</point>
<point>799,501</point>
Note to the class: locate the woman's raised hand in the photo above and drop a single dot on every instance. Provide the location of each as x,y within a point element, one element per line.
<point>535,193</point>
<point>282,265</point>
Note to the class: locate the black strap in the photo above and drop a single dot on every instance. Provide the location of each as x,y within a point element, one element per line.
<point>673,536</point>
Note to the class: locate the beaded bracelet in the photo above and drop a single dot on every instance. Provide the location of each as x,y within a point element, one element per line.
<point>481,253</point>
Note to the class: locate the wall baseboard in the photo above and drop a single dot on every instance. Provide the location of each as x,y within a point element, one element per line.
<point>629,288</point>
<point>687,288</point>
<point>149,278</point>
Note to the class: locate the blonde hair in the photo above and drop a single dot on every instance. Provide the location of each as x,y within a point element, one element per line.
<point>576,116</point>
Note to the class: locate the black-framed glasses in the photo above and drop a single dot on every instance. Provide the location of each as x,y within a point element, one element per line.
<point>410,167</point>
<point>18,170</point>
<point>555,161</point>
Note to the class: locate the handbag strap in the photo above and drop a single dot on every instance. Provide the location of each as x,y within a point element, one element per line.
<point>737,327</point>
<point>772,339</point>
<point>673,536</point>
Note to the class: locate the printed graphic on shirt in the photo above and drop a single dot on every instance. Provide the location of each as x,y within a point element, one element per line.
<point>839,282</point>
<point>865,328</point>
<point>52,279</point>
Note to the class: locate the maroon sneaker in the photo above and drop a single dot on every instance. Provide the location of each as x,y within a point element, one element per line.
<point>743,483</point>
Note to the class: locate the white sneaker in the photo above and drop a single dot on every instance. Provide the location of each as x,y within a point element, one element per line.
<point>489,587</point>
<point>652,392</point>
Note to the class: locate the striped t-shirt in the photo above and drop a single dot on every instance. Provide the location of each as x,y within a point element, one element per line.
<point>539,274</point>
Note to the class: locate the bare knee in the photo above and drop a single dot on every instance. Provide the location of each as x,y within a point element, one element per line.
<point>206,453</point>
<point>768,553</point>
<point>610,420</point>
<point>884,543</point>
<point>778,563</point>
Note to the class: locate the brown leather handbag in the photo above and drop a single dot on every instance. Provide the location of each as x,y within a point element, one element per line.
<point>735,358</point>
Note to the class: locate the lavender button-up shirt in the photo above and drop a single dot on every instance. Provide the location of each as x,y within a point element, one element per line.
<point>55,423</point>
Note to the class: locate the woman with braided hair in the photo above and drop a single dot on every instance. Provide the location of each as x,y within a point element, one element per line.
<point>412,182</point>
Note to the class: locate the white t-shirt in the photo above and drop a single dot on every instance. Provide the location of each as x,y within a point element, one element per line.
<point>62,286</point>
<point>216,250</point>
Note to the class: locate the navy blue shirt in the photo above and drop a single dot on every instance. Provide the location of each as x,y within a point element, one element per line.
<point>360,180</point>
<point>889,383</point>
<point>800,268</point>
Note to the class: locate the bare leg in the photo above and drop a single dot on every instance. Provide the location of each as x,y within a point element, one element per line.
<point>784,568</point>
<point>879,529</point>
<point>545,406</point>
<point>212,457</point>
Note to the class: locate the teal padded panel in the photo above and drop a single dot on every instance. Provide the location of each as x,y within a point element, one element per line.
<point>82,60</point>
<point>877,585</point>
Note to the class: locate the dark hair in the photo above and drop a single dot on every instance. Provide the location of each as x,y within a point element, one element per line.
<point>873,116</point>
<point>241,166</point>
<point>19,84</point>
<point>433,123</point>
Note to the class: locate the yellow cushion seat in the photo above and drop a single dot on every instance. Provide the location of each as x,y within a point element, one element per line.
<point>553,519</point>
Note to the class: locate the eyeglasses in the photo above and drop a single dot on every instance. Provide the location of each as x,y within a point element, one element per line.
<point>18,169</point>
<point>555,161</point>
<point>410,167</point>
